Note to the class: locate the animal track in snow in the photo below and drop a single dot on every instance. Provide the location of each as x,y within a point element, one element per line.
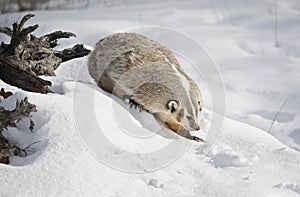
<point>226,158</point>
<point>155,183</point>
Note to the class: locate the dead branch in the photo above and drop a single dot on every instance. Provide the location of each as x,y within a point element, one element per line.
<point>68,54</point>
<point>10,119</point>
<point>5,94</point>
<point>11,74</point>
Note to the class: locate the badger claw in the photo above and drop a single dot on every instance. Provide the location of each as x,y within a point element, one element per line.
<point>198,139</point>
<point>134,104</point>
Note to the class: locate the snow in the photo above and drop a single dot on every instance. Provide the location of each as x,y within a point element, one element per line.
<point>249,156</point>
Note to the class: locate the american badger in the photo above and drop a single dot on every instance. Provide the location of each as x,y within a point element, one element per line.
<point>147,74</point>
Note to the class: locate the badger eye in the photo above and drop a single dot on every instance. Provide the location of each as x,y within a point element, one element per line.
<point>172,106</point>
<point>199,102</point>
<point>173,109</point>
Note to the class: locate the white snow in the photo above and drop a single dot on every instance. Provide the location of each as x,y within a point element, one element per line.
<point>249,158</point>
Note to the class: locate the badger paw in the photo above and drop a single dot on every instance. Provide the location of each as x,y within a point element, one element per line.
<point>134,104</point>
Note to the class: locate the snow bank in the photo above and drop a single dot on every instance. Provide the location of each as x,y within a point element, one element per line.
<point>245,161</point>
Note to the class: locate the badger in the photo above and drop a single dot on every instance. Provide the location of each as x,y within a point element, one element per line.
<point>147,75</point>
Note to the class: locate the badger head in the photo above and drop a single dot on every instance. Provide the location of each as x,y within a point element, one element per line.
<point>180,112</point>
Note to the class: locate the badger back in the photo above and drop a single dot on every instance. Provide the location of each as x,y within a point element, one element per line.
<point>113,46</point>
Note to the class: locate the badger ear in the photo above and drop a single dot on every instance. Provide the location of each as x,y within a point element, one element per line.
<point>172,106</point>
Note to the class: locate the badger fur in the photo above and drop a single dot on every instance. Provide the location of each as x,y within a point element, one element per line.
<point>134,67</point>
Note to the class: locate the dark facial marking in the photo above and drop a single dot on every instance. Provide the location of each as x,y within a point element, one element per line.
<point>173,109</point>
<point>190,118</point>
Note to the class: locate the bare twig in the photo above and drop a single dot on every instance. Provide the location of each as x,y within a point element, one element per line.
<point>276,24</point>
<point>6,30</point>
<point>24,20</point>
<point>276,116</point>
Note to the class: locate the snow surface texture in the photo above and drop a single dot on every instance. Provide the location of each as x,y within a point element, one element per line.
<point>260,74</point>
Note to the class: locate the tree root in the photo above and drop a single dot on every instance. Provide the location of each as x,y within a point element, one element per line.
<point>27,56</point>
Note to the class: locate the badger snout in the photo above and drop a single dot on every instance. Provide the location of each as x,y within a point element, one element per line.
<point>193,127</point>
<point>196,127</point>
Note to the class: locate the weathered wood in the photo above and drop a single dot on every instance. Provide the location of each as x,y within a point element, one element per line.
<point>6,150</point>
<point>12,75</point>
<point>10,119</point>
<point>22,60</point>
<point>27,56</point>
<point>6,30</point>
<point>5,94</point>
<point>68,54</point>
<point>52,38</point>
<point>24,20</point>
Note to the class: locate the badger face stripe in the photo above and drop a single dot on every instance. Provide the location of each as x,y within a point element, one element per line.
<point>189,109</point>
<point>186,85</point>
